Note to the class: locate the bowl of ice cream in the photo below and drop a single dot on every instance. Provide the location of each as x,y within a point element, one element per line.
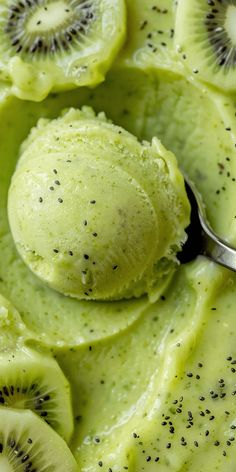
<point>114,355</point>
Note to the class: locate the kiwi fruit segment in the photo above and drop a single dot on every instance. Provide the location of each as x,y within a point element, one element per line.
<point>28,444</point>
<point>205,38</point>
<point>29,380</point>
<point>58,44</point>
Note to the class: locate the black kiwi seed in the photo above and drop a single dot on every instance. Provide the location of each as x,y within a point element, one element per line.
<point>79,16</point>
<point>219,38</point>
<point>12,443</point>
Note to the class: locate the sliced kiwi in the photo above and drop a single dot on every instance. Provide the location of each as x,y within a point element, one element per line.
<point>29,380</point>
<point>205,38</point>
<point>28,444</point>
<point>58,44</point>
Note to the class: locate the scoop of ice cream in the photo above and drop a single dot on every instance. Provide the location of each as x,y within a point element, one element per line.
<point>95,213</point>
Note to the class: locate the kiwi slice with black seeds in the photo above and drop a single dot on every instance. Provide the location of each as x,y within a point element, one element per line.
<point>29,380</point>
<point>58,44</point>
<point>28,444</point>
<point>205,38</point>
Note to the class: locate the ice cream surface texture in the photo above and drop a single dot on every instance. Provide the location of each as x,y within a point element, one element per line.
<point>95,213</point>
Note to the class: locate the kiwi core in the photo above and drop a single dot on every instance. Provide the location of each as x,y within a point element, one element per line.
<point>4,464</point>
<point>48,17</point>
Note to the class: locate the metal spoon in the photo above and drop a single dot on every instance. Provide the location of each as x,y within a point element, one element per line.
<point>201,238</point>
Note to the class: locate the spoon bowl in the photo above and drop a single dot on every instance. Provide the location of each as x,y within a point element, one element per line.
<point>202,240</point>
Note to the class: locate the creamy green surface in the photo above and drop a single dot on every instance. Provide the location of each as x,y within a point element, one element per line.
<point>153,385</point>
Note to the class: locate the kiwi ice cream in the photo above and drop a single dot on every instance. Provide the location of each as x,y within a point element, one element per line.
<point>95,213</point>
<point>107,380</point>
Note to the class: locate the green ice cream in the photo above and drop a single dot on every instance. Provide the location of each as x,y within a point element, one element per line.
<point>95,213</point>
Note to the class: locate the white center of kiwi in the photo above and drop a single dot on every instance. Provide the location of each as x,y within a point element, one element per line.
<point>49,17</point>
<point>4,464</point>
<point>230,23</point>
